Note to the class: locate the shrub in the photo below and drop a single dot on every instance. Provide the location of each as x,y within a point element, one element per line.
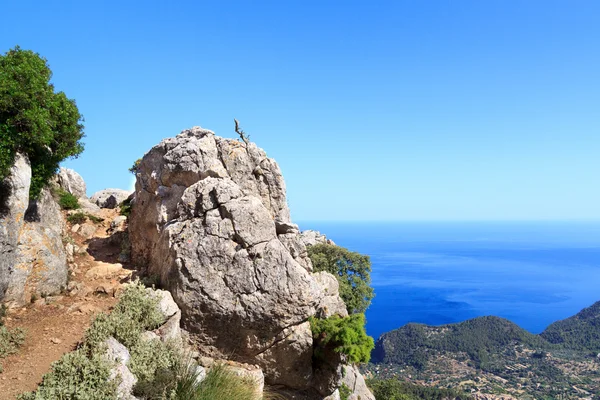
<point>10,340</point>
<point>345,335</point>
<point>66,200</point>
<point>352,271</point>
<point>136,165</point>
<point>95,219</point>
<point>156,365</point>
<point>125,207</point>
<point>135,313</point>
<point>76,376</point>
<point>34,119</point>
<point>77,218</point>
<point>345,392</point>
<point>220,384</point>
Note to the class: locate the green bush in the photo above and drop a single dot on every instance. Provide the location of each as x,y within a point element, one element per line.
<point>345,392</point>
<point>76,376</point>
<point>95,219</point>
<point>34,119</point>
<point>136,165</point>
<point>353,271</point>
<point>10,340</point>
<point>77,218</point>
<point>156,365</point>
<point>125,207</point>
<point>345,335</point>
<point>135,313</point>
<point>66,200</point>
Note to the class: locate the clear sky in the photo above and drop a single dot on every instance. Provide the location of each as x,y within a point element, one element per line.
<point>375,110</point>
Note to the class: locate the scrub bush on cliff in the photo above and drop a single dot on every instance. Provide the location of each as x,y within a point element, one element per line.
<point>34,119</point>
<point>352,270</point>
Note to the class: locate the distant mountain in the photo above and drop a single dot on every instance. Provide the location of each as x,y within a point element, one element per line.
<point>493,355</point>
<point>579,332</point>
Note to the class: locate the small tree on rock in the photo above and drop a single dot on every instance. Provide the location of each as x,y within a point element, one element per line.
<point>34,119</point>
<point>352,270</point>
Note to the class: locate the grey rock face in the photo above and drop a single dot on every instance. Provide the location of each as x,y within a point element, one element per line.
<point>71,182</point>
<point>356,383</point>
<point>211,220</point>
<point>331,304</point>
<point>14,200</point>
<point>117,353</point>
<point>109,198</point>
<point>310,238</point>
<point>32,255</point>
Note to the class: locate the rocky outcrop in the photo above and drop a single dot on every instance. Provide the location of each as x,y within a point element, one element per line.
<point>14,200</point>
<point>33,256</point>
<point>109,198</point>
<point>354,380</point>
<point>210,220</point>
<point>70,181</point>
<point>311,238</point>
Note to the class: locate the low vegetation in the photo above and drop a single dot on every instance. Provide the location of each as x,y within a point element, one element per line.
<point>10,339</point>
<point>77,218</point>
<point>392,389</point>
<point>66,200</point>
<point>163,371</point>
<point>125,207</point>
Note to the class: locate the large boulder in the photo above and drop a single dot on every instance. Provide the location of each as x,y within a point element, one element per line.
<point>109,198</point>
<point>14,200</point>
<point>32,254</point>
<point>70,181</point>
<point>210,221</point>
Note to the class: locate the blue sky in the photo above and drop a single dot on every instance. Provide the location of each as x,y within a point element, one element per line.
<point>400,110</point>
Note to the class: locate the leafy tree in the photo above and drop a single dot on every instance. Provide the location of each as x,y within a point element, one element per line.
<point>353,271</point>
<point>34,119</point>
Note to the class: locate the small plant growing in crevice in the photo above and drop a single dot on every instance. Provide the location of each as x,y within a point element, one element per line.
<point>135,167</point>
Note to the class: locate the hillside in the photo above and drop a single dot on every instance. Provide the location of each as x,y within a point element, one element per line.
<point>579,332</point>
<point>495,356</point>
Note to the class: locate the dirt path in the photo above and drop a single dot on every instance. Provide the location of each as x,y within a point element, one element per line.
<point>55,325</point>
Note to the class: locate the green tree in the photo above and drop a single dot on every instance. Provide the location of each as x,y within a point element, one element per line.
<point>344,335</point>
<point>353,271</point>
<point>34,119</point>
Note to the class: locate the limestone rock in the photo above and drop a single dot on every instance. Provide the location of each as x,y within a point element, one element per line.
<point>331,304</point>
<point>117,224</point>
<point>310,238</point>
<point>87,230</point>
<point>356,383</point>
<point>116,352</point>
<point>40,264</point>
<point>14,200</point>
<point>70,181</point>
<point>211,221</point>
<point>88,207</point>
<point>109,198</point>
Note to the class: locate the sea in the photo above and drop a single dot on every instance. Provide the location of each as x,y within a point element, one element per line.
<point>531,273</point>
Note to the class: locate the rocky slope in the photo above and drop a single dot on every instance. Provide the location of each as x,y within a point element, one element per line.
<point>210,220</point>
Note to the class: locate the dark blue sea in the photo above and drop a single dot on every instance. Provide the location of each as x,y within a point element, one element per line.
<point>532,273</point>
